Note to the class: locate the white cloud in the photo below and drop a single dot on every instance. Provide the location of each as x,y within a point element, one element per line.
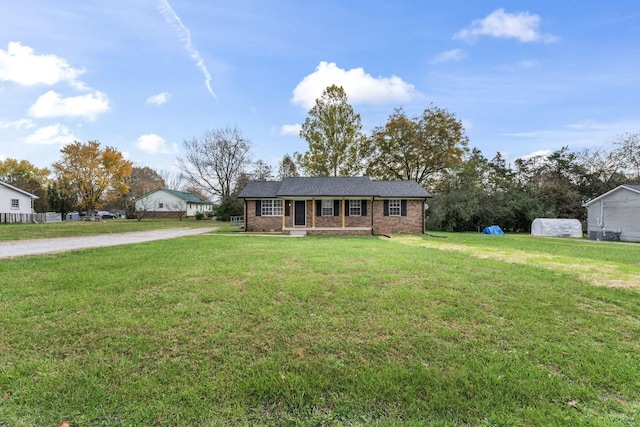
<point>359,86</point>
<point>538,153</point>
<point>17,124</point>
<point>50,135</point>
<point>20,64</point>
<point>291,129</point>
<point>500,24</point>
<point>159,99</point>
<point>152,143</point>
<point>52,104</point>
<point>450,55</point>
<point>184,35</point>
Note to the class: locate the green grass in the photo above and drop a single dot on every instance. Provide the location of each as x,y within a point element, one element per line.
<point>227,330</point>
<point>88,228</point>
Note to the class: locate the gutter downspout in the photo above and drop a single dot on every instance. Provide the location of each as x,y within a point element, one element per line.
<point>600,221</point>
<point>424,226</point>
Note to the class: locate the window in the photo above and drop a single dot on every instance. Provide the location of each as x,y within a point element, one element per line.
<point>160,205</point>
<point>15,203</point>
<point>394,208</point>
<point>355,208</point>
<point>327,208</point>
<point>271,208</point>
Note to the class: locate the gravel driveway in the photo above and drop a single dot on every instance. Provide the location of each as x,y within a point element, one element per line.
<point>16,248</point>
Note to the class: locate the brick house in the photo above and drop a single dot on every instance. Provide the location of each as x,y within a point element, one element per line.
<point>334,205</point>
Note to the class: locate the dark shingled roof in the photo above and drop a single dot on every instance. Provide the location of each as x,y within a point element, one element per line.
<point>325,186</point>
<point>400,189</point>
<point>260,189</point>
<point>361,186</point>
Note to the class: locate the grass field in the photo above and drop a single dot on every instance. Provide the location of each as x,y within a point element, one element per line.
<point>88,228</point>
<point>252,330</point>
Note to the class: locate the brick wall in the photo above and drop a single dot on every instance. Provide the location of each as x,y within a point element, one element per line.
<point>260,223</point>
<point>410,224</point>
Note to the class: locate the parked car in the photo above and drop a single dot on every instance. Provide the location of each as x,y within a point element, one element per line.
<point>105,215</point>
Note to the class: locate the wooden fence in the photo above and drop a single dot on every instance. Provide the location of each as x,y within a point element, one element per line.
<point>22,218</point>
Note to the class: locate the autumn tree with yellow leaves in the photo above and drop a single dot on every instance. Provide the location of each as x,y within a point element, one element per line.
<point>91,174</point>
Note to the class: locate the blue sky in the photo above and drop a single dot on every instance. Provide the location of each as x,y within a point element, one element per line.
<point>143,75</point>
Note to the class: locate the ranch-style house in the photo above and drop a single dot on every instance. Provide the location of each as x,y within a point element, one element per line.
<point>335,205</point>
<point>167,203</point>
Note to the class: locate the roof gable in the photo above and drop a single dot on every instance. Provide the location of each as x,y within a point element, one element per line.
<point>631,187</point>
<point>16,189</point>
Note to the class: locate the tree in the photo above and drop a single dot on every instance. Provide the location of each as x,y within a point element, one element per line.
<point>603,171</point>
<point>60,197</point>
<point>172,179</point>
<point>419,149</point>
<point>89,173</point>
<point>143,180</point>
<point>214,161</point>
<point>231,205</point>
<point>333,131</point>
<point>287,167</point>
<point>628,147</point>
<point>26,176</point>
<point>262,171</point>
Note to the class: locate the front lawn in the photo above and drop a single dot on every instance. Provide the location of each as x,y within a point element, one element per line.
<point>90,228</point>
<point>259,330</point>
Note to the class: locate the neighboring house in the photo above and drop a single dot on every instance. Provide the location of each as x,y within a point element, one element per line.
<point>615,214</point>
<point>165,203</point>
<point>335,205</point>
<point>14,200</point>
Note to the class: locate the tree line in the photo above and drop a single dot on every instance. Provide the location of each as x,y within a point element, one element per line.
<point>431,148</point>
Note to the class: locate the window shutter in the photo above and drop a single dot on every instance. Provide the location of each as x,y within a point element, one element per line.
<point>346,208</point>
<point>386,208</point>
<point>258,207</point>
<point>363,207</point>
<point>336,208</point>
<point>403,207</point>
<point>287,207</point>
<point>318,207</point>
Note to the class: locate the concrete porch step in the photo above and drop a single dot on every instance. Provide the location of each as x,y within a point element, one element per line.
<point>298,233</point>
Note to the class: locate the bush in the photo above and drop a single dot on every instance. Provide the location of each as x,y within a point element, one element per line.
<point>199,215</point>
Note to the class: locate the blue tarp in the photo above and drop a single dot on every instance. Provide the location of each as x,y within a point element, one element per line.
<point>492,229</point>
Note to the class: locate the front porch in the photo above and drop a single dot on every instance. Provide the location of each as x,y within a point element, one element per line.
<point>347,231</point>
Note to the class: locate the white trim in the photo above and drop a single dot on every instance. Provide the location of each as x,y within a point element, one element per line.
<point>398,207</point>
<point>275,208</point>
<point>323,207</point>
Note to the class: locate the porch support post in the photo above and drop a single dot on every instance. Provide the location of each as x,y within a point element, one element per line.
<point>283,211</point>
<point>343,216</point>
<point>313,213</point>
